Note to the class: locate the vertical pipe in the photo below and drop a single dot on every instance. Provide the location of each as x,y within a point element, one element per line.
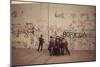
<point>48,21</point>
<point>55,18</point>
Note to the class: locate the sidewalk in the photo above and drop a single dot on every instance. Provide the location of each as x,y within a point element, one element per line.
<point>28,56</point>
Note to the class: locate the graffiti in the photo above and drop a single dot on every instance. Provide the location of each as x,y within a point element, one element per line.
<point>14,13</point>
<point>60,15</point>
<point>24,34</point>
<point>25,28</point>
<point>74,34</point>
<point>54,23</point>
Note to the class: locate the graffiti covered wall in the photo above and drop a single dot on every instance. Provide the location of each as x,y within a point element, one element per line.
<point>29,21</point>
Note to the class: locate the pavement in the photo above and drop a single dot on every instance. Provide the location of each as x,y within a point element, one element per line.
<point>29,56</point>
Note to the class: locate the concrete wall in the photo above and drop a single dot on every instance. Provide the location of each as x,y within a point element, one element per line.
<point>50,19</point>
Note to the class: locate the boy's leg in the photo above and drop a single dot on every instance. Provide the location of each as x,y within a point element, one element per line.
<point>67,51</point>
<point>41,47</point>
<point>38,47</point>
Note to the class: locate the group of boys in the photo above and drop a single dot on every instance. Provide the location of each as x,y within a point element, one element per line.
<point>57,46</point>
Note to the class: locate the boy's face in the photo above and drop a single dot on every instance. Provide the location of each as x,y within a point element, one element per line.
<point>41,35</point>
